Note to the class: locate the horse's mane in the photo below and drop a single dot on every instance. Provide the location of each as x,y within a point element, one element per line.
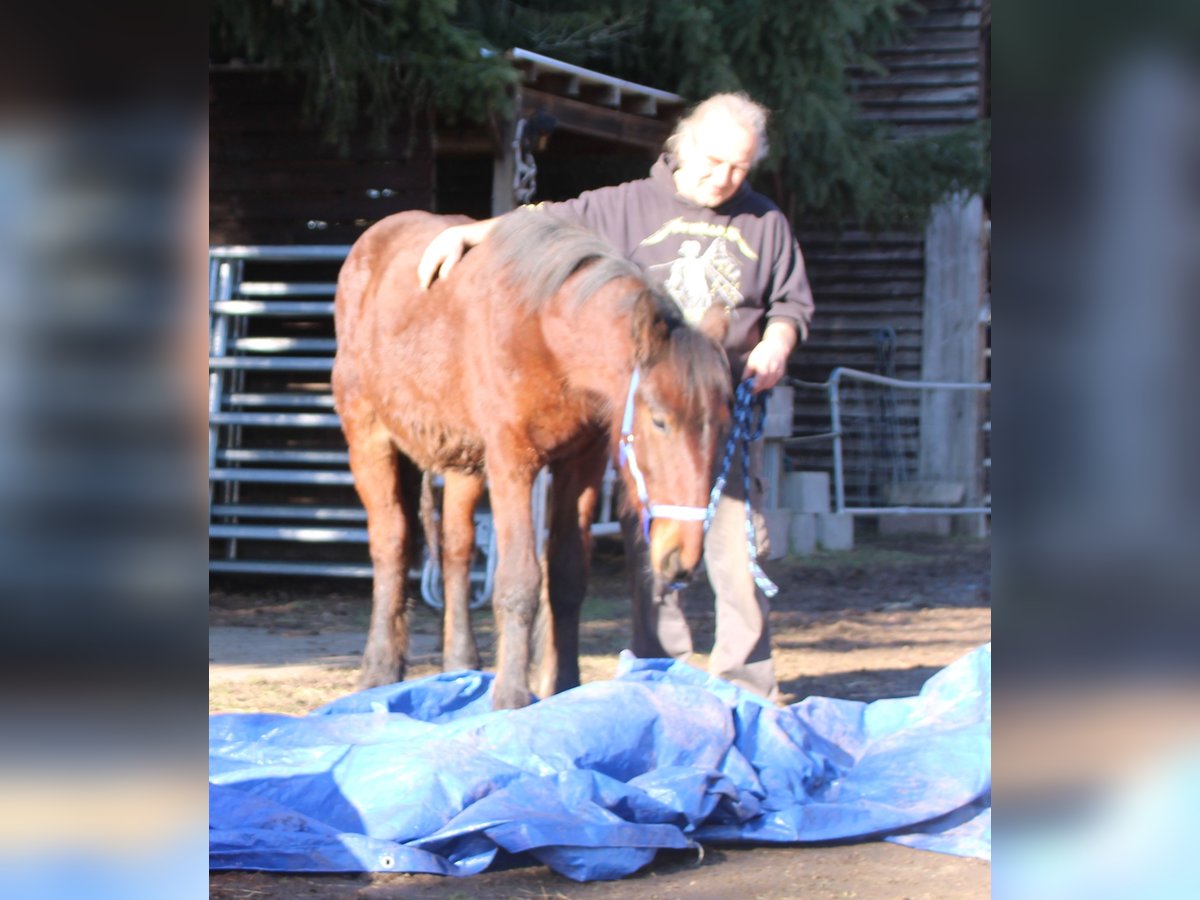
<point>703,365</point>
<point>535,252</point>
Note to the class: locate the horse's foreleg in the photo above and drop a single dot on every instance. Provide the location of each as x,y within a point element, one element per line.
<point>517,581</point>
<point>460,496</point>
<point>377,468</point>
<point>543,655</point>
<point>573,504</point>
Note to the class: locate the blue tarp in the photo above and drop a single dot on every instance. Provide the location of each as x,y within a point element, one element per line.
<point>423,776</point>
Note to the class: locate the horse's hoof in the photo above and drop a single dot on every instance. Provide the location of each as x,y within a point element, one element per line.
<point>378,676</point>
<point>460,663</point>
<point>510,699</point>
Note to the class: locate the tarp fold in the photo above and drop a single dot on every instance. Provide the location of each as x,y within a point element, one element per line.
<point>424,777</point>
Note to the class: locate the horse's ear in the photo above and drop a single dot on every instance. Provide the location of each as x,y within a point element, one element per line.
<point>715,322</point>
<point>650,330</point>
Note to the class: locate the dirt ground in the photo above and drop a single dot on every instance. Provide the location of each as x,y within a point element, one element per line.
<point>872,623</point>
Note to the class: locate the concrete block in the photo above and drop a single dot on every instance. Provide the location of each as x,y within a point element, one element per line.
<point>915,523</point>
<point>778,522</point>
<point>835,531</point>
<point>778,421</point>
<point>971,526</point>
<point>806,492</point>
<point>802,535</point>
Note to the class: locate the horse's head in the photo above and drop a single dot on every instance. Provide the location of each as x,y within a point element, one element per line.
<point>673,429</point>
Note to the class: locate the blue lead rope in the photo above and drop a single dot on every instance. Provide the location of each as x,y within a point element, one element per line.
<point>749,412</point>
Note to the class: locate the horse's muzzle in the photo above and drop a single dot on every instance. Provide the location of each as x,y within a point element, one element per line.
<point>672,575</point>
<point>675,550</point>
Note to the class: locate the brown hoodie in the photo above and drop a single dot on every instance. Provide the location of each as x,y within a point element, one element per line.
<point>741,253</point>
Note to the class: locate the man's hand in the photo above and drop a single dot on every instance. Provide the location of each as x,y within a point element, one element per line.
<point>445,250</point>
<point>767,362</point>
<point>440,256</point>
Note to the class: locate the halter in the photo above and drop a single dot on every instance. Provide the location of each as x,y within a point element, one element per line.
<point>629,457</point>
<point>745,429</point>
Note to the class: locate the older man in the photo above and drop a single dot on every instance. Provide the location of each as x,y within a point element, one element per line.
<point>696,226</point>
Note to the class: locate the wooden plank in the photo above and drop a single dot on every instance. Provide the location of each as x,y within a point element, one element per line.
<point>461,143</point>
<point>850,238</point>
<point>823,271</point>
<point>864,350</point>
<point>244,187</point>
<point>908,328</point>
<point>869,306</point>
<point>906,321</point>
<point>954,288</point>
<point>504,169</point>
<point>601,95</point>
<point>917,78</point>
<point>904,60</point>
<point>256,230</point>
<point>892,95</point>
<point>936,6</point>
<point>946,115</point>
<point>888,289</point>
<point>942,40</point>
<point>298,146</point>
<point>610,124</point>
<point>956,19</point>
<point>319,204</point>
<point>827,359</point>
<point>265,177</point>
<point>911,254</point>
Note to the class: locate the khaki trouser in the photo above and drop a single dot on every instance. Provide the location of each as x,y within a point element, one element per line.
<point>742,647</point>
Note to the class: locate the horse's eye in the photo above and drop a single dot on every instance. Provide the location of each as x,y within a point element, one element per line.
<point>659,423</point>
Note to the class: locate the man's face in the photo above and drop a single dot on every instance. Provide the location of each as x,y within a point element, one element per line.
<point>715,161</point>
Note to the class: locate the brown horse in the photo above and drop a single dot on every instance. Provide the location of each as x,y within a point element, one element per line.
<point>528,354</point>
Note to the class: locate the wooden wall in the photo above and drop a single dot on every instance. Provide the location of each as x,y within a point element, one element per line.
<point>934,79</point>
<point>274,180</point>
<point>865,283</point>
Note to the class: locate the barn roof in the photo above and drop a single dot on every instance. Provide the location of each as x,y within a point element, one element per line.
<point>592,103</point>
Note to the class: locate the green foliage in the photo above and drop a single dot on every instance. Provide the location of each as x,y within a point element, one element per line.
<point>827,164</point>
<point>373,59</point>
<point>385,57</point>
<point>913,174</point>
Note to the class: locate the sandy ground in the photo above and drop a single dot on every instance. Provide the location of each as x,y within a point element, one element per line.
<point>249,654</point>
<point>873,623</point>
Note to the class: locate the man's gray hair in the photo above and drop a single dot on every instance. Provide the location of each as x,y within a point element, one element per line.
<point>739,107</point>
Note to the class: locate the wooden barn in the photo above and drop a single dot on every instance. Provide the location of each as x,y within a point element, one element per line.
<point>285,205</point>
<point>912,305</point>
<point>274,180</point>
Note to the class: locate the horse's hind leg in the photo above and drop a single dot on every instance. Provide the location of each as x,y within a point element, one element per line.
<point>385,480</point>
<point>460,496</point>
<point>574,494</point>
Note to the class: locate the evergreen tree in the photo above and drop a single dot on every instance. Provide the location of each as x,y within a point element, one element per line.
<point>386,58</point>
<point>378,60</point>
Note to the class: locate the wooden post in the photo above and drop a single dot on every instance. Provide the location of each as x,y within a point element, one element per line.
<point>952,350</point>
<point>505,165</point>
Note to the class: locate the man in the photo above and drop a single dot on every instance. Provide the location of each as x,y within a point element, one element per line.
<point>696,226</point>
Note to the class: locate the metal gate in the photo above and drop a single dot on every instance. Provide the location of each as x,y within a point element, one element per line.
<point>880,441</point>
<point>281,495</point>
